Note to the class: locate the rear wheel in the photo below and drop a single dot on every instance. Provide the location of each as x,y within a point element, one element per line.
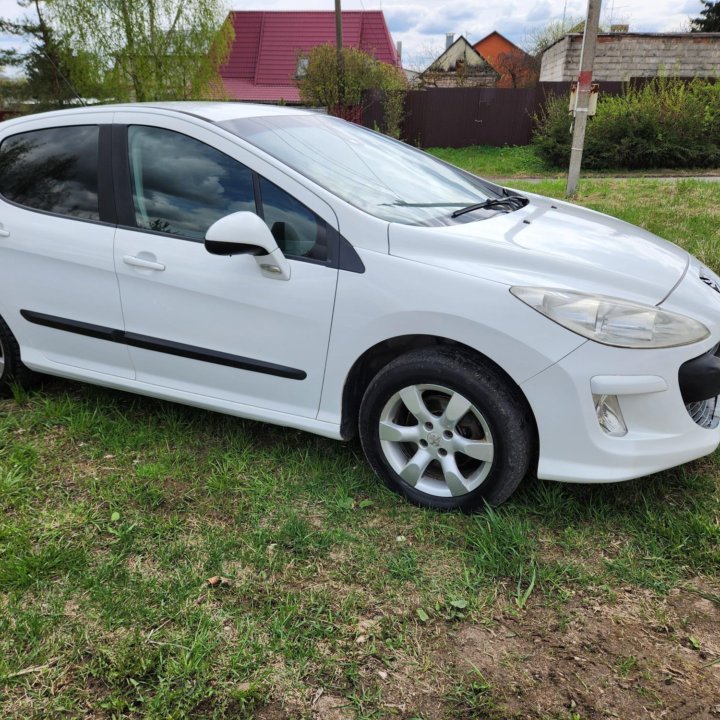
<point>12,371</point>
<point>445,431</point>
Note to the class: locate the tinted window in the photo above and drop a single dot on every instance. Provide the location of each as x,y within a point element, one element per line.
<point>54,170</point>
<point>181,185</point>
<point>297,230</point>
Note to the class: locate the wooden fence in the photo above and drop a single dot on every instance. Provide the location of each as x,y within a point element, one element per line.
<point>457,117</point>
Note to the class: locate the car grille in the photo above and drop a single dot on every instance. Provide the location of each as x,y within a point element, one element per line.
<point>703,413</point>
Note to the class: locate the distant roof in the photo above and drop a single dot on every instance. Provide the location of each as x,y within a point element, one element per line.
<point>263,58</point>
<point>501,36</point>
<point>446,60</point>
<point>668,35</point>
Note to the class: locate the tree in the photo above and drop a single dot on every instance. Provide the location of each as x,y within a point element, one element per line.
<point>541,38</point>
<point>423,57</point>
<point>522,69</point>
<point>709,20</point>
<point>318,84</point>
<point>149,49</point>
<point>51,70</point>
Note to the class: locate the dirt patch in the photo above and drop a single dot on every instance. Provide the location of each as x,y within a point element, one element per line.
<point>638,657</point>
<point>332,707</point>
<point>272,711</point>
<point>408,688</point>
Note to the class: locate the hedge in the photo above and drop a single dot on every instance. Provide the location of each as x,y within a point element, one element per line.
<point>667,123</point>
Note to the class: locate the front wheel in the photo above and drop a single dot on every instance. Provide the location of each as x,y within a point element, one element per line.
<point>445,431</point>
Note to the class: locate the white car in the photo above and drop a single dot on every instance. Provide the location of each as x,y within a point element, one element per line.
<point>293,268</point>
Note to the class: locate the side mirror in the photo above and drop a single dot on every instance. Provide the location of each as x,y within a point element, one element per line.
<point>244,233</point>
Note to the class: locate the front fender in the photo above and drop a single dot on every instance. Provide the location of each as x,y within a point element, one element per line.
<point>397,297</point>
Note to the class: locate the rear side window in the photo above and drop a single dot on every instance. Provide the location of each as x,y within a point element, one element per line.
<point>55,170</point>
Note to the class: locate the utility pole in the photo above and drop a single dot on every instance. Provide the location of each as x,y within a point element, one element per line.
<point>582,96</point>
<point>339,46</point>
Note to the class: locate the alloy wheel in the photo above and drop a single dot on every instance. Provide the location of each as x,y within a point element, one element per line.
<point>436,440</point>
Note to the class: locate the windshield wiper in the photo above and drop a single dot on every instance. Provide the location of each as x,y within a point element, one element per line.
<point>514,201</point>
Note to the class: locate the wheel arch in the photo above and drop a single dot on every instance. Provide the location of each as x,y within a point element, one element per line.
<point>374,358</point>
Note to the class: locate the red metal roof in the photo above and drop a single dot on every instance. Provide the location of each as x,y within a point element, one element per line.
<point>263,57</point>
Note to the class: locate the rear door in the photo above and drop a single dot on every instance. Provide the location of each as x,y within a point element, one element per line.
<point>58,290</point>
<point>209,325</point>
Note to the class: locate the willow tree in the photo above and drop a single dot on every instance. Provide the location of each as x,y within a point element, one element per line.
<point>53,75</point>
<point>150,49</point>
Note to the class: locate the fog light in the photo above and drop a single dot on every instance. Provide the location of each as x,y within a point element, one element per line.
<point>609,415</point>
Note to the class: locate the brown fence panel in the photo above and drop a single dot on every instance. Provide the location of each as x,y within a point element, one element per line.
<point>458,117</point>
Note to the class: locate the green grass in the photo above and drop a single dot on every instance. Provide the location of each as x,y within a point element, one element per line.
<point>484,160</point>
<point>522,161</point>
<point>115,511</point>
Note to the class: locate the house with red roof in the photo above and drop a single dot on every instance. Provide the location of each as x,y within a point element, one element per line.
<point>515,66</point>
<point>263,61</point>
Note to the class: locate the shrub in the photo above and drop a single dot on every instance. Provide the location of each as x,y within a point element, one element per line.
<point>319,84</point>
<point>551,137</point>
<point>667,123</point>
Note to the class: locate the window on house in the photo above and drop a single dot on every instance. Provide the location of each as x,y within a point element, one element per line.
<point>302,67</point>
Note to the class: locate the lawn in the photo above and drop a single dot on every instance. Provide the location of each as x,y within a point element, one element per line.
<point>329,596</point>
<point>521,161</point>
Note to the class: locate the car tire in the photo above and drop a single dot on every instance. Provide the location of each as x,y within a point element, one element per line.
<point>12,371</point>
<point>446,431</point>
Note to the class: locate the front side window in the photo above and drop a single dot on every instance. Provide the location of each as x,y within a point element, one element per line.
<point>54,170</point>
<point>298,231</point>
<point>181,185</point>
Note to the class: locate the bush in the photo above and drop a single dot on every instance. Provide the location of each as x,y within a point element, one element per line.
<point>319,84</point>
<point>667,123</point>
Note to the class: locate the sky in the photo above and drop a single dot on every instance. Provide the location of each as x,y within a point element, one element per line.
<point>421,24</point>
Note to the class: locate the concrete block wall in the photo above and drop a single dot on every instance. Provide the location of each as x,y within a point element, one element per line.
<point>621,56</point>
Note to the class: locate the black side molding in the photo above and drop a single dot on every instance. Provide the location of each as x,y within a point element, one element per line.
<point>73,326</point>
<point>169,347</point>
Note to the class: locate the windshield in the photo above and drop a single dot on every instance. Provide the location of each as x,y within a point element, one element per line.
<point>373,172</point>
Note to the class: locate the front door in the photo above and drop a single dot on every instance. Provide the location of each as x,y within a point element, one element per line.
<point>215,326</point>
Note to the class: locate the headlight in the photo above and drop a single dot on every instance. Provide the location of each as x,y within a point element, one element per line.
<point>611,321</point>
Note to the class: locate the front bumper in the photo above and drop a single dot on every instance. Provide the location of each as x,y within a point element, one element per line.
<point>661,433</point>
<point>667,398</point>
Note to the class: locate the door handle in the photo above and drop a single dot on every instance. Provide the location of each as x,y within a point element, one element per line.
<point>142,263</point>
<point>4,233</point>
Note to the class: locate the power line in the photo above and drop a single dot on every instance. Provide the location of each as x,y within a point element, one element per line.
<point>52,62</point>
<point>62,75</point>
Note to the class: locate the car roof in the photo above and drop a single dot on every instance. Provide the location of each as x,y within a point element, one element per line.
<point>211,111</point>
<point>219,111</point>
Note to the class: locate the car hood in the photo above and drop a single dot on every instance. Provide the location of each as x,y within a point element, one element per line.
<point>551,243</point>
